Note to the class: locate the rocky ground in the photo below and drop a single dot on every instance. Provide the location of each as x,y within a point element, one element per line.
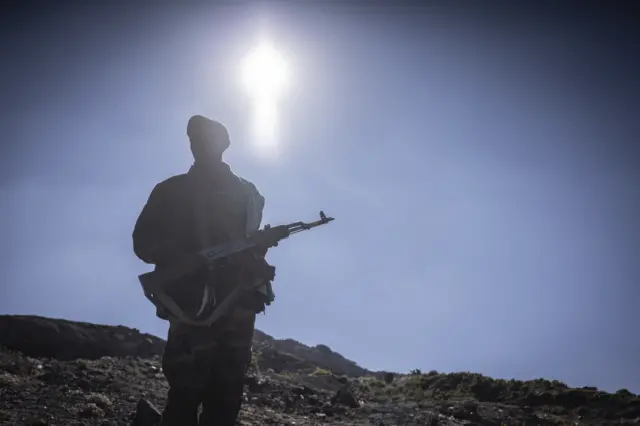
<point>117,371</point>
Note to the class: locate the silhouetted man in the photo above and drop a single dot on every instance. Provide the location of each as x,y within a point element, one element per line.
<point>184,214</point>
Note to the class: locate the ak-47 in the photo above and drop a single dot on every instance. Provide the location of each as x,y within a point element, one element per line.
<point>154,282</point>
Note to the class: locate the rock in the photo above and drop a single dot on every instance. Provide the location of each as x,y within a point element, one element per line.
<point>90,411</point>
<point>345,396</point>
<point>37,422</point>
<point>466,411</point>
<point>84,384</point>
<point>332,410</point>
<point>388,378</point>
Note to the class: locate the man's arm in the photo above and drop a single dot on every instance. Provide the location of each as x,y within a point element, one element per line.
<point>256,211</point>
<point>150,232</point>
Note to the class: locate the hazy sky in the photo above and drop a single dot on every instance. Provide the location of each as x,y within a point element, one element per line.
<point>482,170</point>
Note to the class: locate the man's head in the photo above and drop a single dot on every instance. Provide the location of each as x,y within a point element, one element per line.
<point>209,139</point>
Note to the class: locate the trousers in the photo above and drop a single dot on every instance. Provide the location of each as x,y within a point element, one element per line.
<point>206,366</point>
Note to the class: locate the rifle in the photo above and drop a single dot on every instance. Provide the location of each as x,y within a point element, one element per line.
<point>154,282</point>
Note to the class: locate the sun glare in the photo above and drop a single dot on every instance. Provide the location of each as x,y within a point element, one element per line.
<point>265,76</point>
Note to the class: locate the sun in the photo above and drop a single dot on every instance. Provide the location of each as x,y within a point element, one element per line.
<point>265,76</point>
<point>265,73</point>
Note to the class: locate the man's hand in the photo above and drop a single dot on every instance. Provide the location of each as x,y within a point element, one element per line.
<point>254,262</point>
<point>261,251</point>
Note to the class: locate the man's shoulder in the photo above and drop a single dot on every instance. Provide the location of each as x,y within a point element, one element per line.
<point>246,182</point>
<point>250,186</point>
<point>172,183</point>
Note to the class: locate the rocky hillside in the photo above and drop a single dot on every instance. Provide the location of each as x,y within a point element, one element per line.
<point>55,372</point>
<point>319,356</point>
<point>69,340</point>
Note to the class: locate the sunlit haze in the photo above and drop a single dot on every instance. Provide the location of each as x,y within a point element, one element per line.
<point>265,75</point>
<point>482,168</point>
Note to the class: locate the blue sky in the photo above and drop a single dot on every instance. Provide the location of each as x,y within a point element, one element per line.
<point>482,176</point>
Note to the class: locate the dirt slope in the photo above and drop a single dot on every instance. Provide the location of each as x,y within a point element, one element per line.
<point>56,372</point>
